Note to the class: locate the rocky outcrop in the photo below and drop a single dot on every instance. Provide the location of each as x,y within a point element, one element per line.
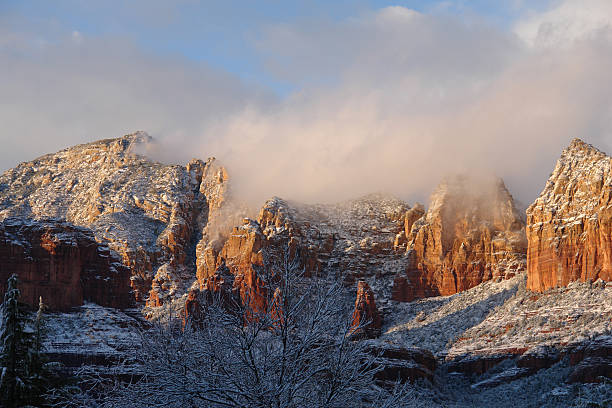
<point>218,289</point>
<point>151,214</point>
<point>242,256</point>
<point>569,226</point>
<point>349,241</point>
<point>193,313</point>
<point>61,263</point>
<point>471,233</point>
<point>592,360</point>
<point>366,319</point>
<point>404,364</point>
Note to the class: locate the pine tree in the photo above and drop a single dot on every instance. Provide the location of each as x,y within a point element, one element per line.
<point>14,347</point>
<point>25,376</point>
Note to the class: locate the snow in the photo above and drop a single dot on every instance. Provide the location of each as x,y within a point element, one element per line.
<point>92,329</point>
<point>446,317</point>
<point>497,316</point>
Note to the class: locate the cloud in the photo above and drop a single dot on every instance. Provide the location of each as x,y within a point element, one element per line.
<point>570,21</point>
<point>388,100</point>
<point>395,99</point>
<point>64,88</point>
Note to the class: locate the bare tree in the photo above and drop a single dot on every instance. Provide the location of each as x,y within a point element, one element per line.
<point>296,351</point>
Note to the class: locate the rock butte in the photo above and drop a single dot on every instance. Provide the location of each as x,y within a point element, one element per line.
<point>569,226</point>
<point>366,319</point>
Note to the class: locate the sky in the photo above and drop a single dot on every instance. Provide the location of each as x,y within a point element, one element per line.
<point>314,100</point>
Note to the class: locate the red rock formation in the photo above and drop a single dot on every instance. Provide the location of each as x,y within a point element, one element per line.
<point>366,319</point>
<point>569,226</point>
<point>149,213</point>
<point>279,223</point>
<point>243,256</point>
<point>411,216</point>
<point>471,233</point>
<point>216,289</point>
<point>63,264</point>
<point>251,251</point>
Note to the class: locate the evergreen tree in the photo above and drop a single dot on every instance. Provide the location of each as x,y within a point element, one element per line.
<point>25,376</point>
<point>14,349</point>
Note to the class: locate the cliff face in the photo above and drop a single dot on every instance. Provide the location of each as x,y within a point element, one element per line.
<point>170,224</point>
<point>471,233</point>
<point>569,226</point>
<point>152,215</point>
<point>63,264</point>
<point>346,241</point>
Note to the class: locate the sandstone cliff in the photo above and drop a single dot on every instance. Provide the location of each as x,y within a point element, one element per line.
<point>149,213</point>
<point>471,233</point>
<point>346,241</point>
<point>569,226</point>
<point>63,264</point>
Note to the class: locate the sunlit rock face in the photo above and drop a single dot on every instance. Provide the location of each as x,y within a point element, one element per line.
<point>471,233</point>
<point>151,214</point>
<point>62,264</point>
<point>366,319</point>
<point>256,253</point>
<point>347,241</point>
<point>569,226</point>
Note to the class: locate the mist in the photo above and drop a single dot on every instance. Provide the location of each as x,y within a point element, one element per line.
<point>390,100</point>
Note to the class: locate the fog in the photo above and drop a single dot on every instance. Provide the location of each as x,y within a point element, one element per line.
<point>387,101</point>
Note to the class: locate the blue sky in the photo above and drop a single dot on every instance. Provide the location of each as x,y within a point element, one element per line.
<point>225,34</point>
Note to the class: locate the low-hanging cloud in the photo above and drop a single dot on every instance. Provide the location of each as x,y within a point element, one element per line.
<point>417,97</point>
<point>390,100</point>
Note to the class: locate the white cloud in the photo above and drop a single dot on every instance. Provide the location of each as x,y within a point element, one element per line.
<point>567,22</point>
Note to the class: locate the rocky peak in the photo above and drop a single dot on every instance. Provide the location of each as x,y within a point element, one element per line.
<point>569,224</point>
<point>577,147</point>
<point>150,214</point>
<point>214,184</point>
<point>484,199</point>
<point>471,233</point>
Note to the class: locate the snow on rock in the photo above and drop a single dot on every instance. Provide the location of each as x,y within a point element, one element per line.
<point>569,226</point>
<point>436,323</point>
<point>471,233</point>
<point>562,318</point>
<point>92,334</point>
<point>149,213</point>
